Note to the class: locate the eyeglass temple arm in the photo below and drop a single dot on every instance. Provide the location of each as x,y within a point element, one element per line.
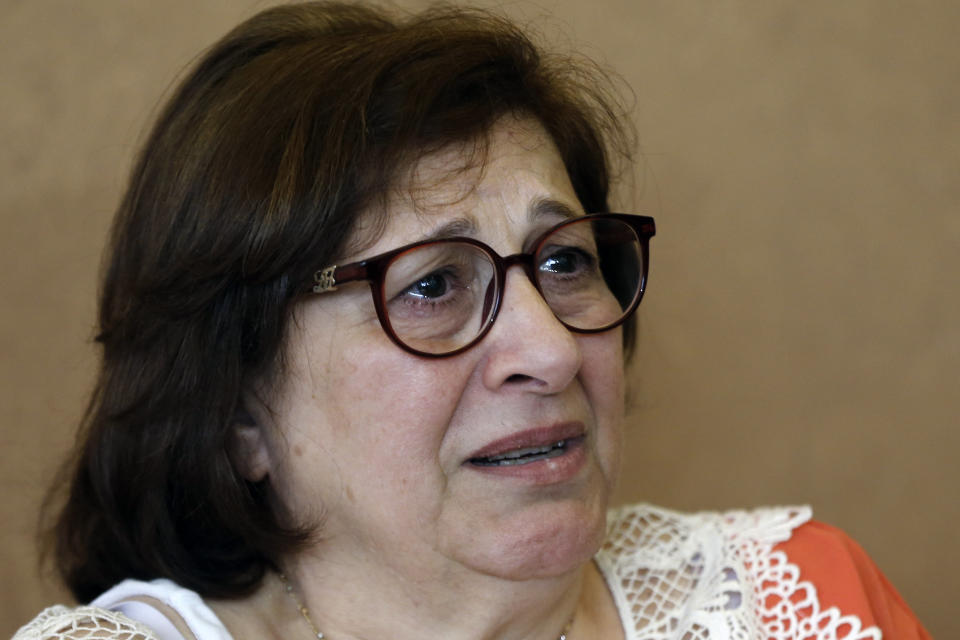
<point>328,278</point>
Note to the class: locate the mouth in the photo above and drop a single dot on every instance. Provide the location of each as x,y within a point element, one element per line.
<point>532,445</point>
<point>526,455</point>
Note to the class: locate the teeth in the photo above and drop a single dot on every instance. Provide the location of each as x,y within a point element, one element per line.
<point>520,453</point>
<point>522,456</point>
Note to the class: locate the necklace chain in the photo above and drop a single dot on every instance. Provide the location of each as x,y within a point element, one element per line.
<point>305,613</point>
<point>302,608</point>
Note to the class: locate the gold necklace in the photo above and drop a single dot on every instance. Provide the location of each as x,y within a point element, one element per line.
<point>305,613</point>
<point>302,608</point>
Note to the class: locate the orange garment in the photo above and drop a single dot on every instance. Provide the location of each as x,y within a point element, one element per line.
<point>846,578</point>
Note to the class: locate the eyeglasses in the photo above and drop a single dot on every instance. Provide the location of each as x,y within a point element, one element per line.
<point>440,297</point>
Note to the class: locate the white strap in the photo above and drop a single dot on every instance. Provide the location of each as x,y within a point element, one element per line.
<point>150,617</point>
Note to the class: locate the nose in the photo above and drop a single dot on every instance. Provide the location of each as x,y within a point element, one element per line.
<point>527,347</point>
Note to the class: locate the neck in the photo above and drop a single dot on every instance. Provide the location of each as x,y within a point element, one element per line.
<point>348,603</point>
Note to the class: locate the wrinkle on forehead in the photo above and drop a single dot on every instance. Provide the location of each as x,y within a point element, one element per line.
<point>436,180</point>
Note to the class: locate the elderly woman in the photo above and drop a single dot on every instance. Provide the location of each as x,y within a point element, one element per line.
<point>364,321</point>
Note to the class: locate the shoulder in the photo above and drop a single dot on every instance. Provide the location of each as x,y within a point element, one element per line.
<point>764,570</point>
<point>643,536</point>
<point>840,575</point>
<point>131,610</point>
<point>171,610</point>
<point>67,623</point>
<point>675,575</point>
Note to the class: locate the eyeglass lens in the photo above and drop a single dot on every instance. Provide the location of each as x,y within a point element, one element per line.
<point>440,296</point>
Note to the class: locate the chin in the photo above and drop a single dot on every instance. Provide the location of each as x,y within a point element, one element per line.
<point>543,540</point>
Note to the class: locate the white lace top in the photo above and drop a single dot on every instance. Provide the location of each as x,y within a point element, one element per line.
<point>673,576</point>
<point>715,576</point>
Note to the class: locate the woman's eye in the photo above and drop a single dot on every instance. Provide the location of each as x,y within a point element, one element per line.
<point>566,261</point>
<point>430,286</point>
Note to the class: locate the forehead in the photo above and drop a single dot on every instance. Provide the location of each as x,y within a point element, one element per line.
<point>514,176</point>
<point>515,150</point>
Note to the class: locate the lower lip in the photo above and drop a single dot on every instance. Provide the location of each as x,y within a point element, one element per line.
<point>546,471</point>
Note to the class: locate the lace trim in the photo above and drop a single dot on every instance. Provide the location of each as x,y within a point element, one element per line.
<point>715,576</point>
<point>66,623</point>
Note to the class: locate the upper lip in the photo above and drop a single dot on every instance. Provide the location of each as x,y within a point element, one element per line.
<point>537,437</point>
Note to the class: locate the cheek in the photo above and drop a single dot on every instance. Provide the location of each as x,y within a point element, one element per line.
<point>603,372</point>
<point>363,425</point>
<point>603,377</point>
<point>394,407</point>
<point>396,436</point>
<point>363,382</point>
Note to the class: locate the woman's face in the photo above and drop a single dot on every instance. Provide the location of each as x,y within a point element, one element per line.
<point>382,446</point>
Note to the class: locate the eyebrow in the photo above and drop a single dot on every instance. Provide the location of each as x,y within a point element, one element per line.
<point>550,208</point>
<point>467,226</point>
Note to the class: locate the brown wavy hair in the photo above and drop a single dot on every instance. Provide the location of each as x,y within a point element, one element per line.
<point>254,174</point>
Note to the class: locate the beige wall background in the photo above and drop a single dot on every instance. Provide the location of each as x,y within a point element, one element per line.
<point>800,340</point>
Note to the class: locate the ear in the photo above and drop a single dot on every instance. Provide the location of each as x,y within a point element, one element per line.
<point>247,447</point>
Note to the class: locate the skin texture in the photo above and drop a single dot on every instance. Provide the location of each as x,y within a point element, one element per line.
<point>373,442</point>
